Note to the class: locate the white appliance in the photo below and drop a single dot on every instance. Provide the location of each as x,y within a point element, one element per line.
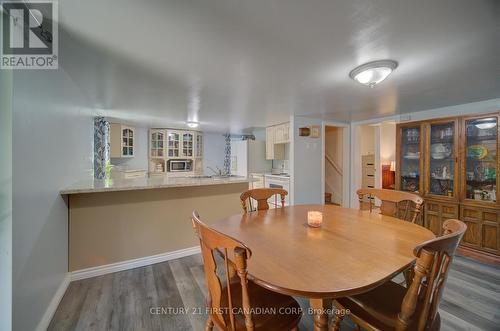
<point>275,181</point>
<point>179,165</point>
<point>248,156</point>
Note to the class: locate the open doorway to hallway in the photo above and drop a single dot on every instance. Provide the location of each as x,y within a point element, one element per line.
<point>334,163</point>
<point>374,156</point>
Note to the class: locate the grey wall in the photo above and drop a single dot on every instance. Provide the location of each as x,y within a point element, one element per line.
<point>52,148</point>
<point>260,134</point>
<point>306,163</point>
<point>5,199</point>
<point>213,151</point>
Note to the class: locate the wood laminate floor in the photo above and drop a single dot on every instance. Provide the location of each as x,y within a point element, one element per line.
<point>127,300</point>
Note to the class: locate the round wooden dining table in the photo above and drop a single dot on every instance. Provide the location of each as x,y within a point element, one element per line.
<point>352,252</point>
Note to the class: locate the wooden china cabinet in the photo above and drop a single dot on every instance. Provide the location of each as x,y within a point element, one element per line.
<point>453,164</point>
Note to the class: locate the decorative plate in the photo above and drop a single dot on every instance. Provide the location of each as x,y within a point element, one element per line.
<point>478,152</point>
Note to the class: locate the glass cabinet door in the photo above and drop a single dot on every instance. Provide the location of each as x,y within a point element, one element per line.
<point>199,145</point>
<point>157,144</point>
<point>173,144</point>
<point>409,172</point>
<point>481,159</point>
<point>441,159</point>
<point>187,144</point>
<point>127,142</point>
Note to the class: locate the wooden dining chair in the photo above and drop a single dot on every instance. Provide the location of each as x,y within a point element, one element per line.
<point>233,299</point>
<point>394,307</point>
<point>261,195</point>
<point>399,204</point>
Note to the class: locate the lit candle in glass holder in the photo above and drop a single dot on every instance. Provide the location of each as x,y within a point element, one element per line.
<point>314,219</point>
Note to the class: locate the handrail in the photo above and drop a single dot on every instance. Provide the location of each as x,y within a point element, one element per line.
<point>335,166</point>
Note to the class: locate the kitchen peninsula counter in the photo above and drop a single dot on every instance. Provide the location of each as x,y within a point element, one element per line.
<point>119,223</point>
<point>155,182</point>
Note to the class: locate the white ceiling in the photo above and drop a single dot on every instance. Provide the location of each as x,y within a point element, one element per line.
<point>234,64</point>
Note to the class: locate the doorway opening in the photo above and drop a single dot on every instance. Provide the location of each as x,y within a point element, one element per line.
<point>374,153</point>
<point>334,165</point>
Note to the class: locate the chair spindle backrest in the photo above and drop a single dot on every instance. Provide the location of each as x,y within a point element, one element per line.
<point>403,205</point>
<point>221,304</point>
<point>429,276</point>
<point>261,195</point>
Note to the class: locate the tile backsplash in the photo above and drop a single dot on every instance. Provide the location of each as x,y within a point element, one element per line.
<point>281,165</point>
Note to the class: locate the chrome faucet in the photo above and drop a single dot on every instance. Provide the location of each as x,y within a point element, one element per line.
<point>217,173</point>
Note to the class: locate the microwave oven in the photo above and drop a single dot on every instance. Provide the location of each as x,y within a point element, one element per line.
<point>179,165</point>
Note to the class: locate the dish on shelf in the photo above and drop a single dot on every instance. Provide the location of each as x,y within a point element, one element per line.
<point>477,152</point>
<point>441,156</point>
<point>440,151</point>
<point>412,156</point>
<point>412,187</point>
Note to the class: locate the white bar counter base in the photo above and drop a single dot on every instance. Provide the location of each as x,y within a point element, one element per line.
<point>121,184</point>
<point>117,221</point>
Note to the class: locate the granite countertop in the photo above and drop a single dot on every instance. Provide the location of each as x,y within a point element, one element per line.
<point>270,174</point>
<point>112,185</point>
<point>282,176</point>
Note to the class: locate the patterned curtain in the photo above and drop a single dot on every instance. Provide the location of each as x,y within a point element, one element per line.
<point>101,147</point>
<point>227,154</point>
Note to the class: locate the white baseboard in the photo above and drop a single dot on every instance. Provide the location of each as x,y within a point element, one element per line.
<point>54,303</point>
<point>131,264</point>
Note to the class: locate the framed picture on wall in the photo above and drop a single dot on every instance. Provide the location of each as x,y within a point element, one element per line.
<point>315,131</point>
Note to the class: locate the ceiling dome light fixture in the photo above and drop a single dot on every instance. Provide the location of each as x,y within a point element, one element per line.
<point>372,73</point>
<point>192,124</point>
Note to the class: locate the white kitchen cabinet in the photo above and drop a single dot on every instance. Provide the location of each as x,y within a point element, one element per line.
<point>278,134</point>
<point>180,144</point>
<point>256,181</point>
<point>167,144</point>
<point>281,133</point>
<point>173,144</point>
<point>122,138</point>
<point>270,143</point>
<point>157,143</point>
<point>199,144</point>
<point>286,132</point>
<point>187,144</point>
<point>276,138</point>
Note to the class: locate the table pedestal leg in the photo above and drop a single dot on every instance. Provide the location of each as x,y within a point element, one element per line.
<point>320,308</point>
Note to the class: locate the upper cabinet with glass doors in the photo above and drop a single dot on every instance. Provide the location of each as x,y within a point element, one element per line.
<point>173,144</point>
<point>441,159</point>
<point>122,140</point>
<point>409,150</point>
<point>481,159</point>
<point>199,145</point>
<point>157,147</point>
<point>460,167</point>
<point>187,144</point>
